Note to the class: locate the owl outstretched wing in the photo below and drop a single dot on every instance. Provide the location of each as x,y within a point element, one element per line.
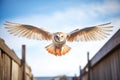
<point>28,31</point>
<point>97,32</point>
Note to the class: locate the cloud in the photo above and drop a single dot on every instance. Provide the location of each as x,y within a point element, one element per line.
<point>72,16</point>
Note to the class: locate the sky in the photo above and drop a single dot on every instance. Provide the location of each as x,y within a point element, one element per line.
<point>57,15</point>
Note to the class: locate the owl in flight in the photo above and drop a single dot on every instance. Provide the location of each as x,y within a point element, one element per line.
<point>58,46</point>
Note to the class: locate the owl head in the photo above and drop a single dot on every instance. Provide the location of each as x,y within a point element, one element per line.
<point>59,37</point>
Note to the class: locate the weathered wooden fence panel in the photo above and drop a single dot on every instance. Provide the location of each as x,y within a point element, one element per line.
<point>105,65</point>
<point>11,67</point>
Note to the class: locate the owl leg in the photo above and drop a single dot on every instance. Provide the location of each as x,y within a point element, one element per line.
<point>51,48</point>
<point>58,51</point>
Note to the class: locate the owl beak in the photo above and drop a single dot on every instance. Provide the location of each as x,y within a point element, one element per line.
<point>58,38</point>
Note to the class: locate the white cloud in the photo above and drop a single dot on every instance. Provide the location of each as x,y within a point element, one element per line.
<point>80,16</point>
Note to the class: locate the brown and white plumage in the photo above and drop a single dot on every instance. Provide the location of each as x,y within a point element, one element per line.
<point>58,46</point>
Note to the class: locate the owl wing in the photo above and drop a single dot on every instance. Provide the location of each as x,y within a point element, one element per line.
<point>27,31</point>
<point>90,33</point>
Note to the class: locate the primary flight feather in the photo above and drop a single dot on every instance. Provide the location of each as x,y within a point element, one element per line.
<point>58,46</point>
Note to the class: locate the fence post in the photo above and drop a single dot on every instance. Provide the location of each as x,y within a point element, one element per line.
<point>23,62</point>
<point>80,77</point>
<point>88,65</point>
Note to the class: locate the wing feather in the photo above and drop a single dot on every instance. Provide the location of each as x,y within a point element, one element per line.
<point>27,31</point>
<point>98,32</point>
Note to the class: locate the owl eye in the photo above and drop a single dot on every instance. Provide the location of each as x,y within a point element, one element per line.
<point>62,36</point>
<point>56,36</point>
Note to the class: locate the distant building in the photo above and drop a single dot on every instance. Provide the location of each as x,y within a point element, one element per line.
<point>75,77</point>
<point>61,78</point>
<point>54,78</point>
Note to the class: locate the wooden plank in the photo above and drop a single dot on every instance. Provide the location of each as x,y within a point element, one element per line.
<point>8,51</point>
<point>7,68</point>
<point>20,73</point>
<point>1,66</point>
<point>118,63</point>
<point>15,70</point>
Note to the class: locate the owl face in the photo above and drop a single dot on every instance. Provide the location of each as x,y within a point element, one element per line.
<point>59,37</point>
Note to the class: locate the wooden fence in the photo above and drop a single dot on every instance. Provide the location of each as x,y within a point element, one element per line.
<point>11,67</point>
<point>105,65</point>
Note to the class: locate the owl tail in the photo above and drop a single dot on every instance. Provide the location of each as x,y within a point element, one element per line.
<point>58,51</point>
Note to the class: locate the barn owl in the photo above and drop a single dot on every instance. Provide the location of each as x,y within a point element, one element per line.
<point>58,46</point>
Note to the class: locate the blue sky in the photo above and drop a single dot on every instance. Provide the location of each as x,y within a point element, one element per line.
<point>58,15</point>
<point>12,8</point>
